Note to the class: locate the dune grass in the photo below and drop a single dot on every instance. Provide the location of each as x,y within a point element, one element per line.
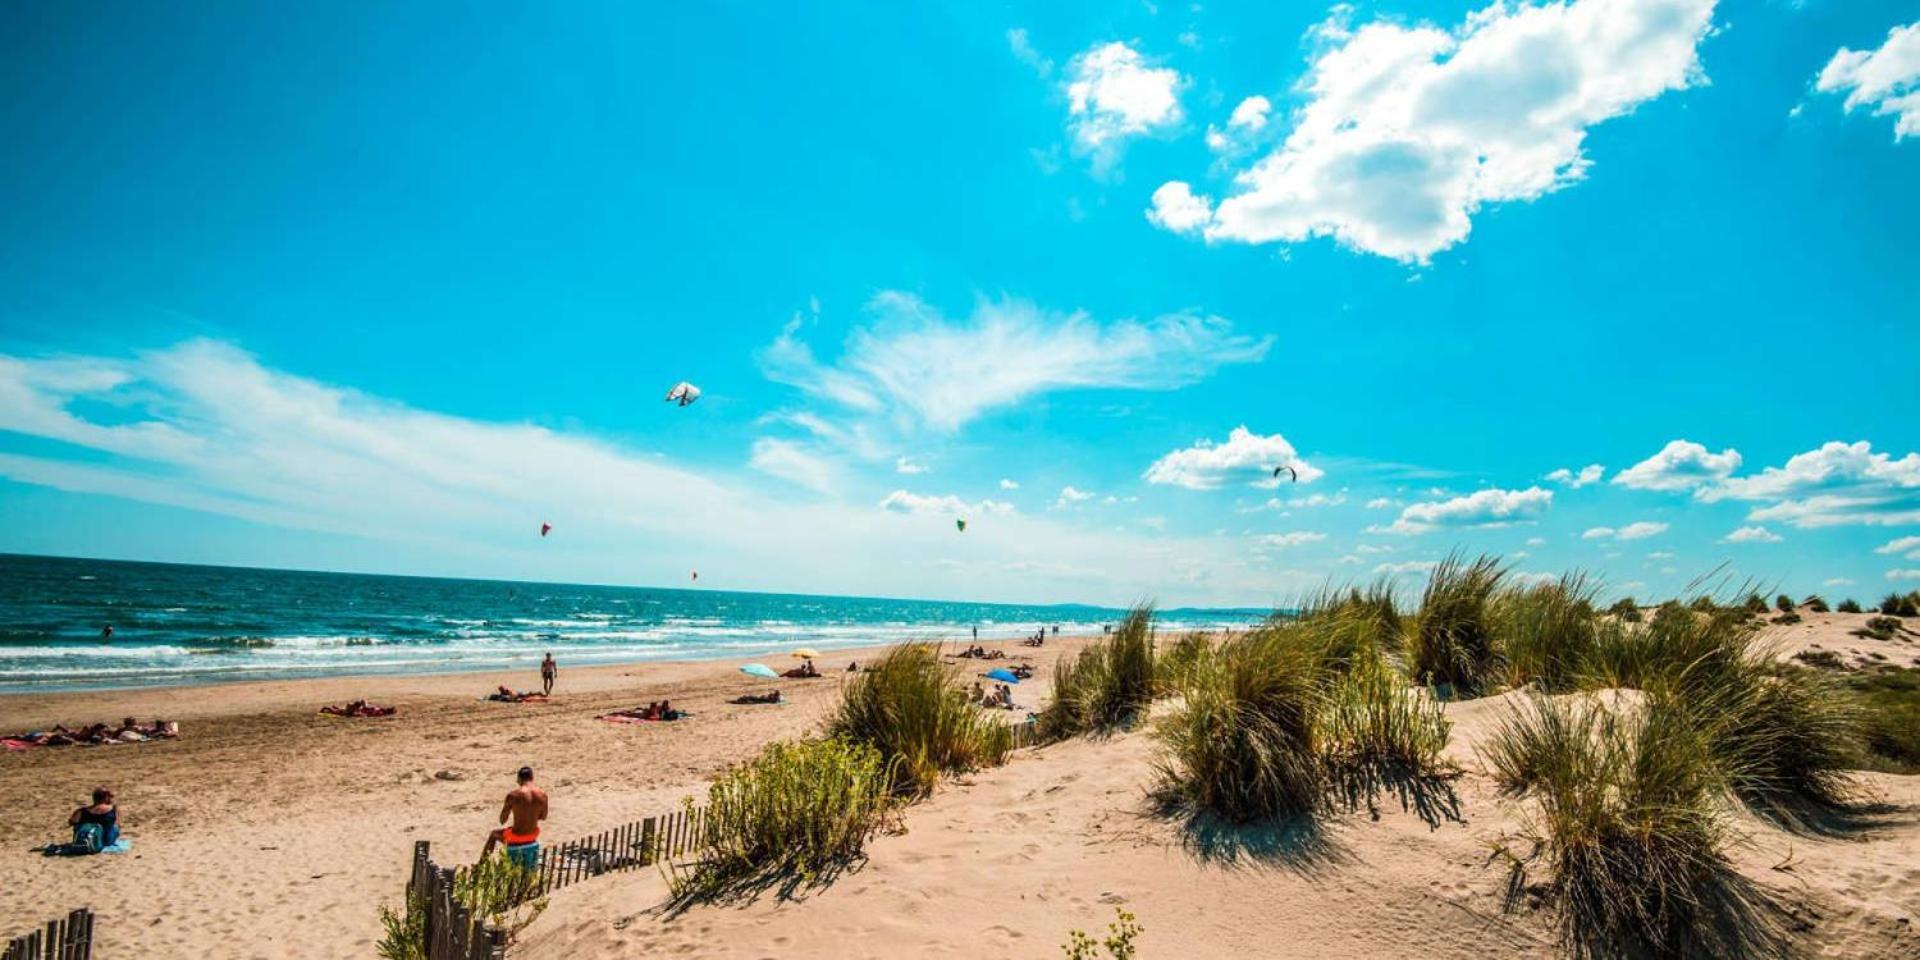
<point>1371,717</point>
<point>791,816</point>
<point>1546,631</point>
<point>1170,666</point>
<point>1243,745</point>
<point>1625,821</point>
<point>912,710</point>
<point>1353,623</point>
<point>1888,707</point>
<point>1451,641</point>
<point>1108,685</point>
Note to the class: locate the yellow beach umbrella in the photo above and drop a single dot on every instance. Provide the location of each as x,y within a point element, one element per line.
<point>806,653</point>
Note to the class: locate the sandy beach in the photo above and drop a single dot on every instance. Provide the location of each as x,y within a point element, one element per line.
<point>268,830</point>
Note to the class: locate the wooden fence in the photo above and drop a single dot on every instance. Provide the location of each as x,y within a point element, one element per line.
<point>67,939</point>
<point>451,932</point>
<point>629,847</point>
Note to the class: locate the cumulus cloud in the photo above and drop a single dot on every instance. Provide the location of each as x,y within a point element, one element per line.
<point>1114,94</point>
<point>1208,465</point>
<point>1680,465</point>
<point>1837,484</point>
<point>908,466</point>
<point>1639,530</point>
<point>1598,533</point>
<point>1382,503</point>
<point>1575,480</point>
<point>1070,495</point>
<point>903,501</point>
<point>913,364</point>
<point>1886,79</point>
<point>1177,208</point>
<point>1249,117</point>
<point>1752,535</point>
<point>1492,507</point>
<point>1409,130</point>
<point>1006,484</point>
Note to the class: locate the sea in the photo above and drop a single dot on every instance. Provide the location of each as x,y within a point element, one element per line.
<point>188,624</point>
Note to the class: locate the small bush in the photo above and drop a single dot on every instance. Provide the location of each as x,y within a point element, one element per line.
<point>1786,619</point>
<point>1816,603</point>
<point>403,935</point>
<point>911,709</point>
<point>1623,606</point>
<point>1888,706</point>
<point>1755,603</point>
<point>1849,605</point>
<point>1451,641</point>
<point>1243,746</point>
<point>1784,602</point>
<point>1118,943</point>
<point>1895,605</point>
<point>1625,822</point>
<point>1371,718</point>
<point>1545,632</point>
<point>1110,684</point>
<point>794,814</point>
<point>1879,628</point>
<point>1822,659</point>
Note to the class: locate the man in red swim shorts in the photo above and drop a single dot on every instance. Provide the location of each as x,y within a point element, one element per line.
<point>520,817</point>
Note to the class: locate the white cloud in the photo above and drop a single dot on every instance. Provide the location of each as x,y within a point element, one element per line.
<point>1207,465</point>
<point>1006,484</point>
<point>1298,503</point>
<point>1660,555</point>
<point>906,465</point>
<point>1568,478</point>
<point>1350,558</point>
<point>914,366</point>
<point>903,501</point>
<point>1406,568</point>
<point>1409,130</point>
<point>1154,523</point>
<point>1752,535</point>
<point>1680,465</point>
<point>1492,507</point>
<point>1536,541</point>
<point>1903,574</point>
<point>1837,582</point>
<point>1251,113</point>
<point>1888,79</point>
<point>1290,539</point>
<point>1114,94</point>
<point>1834,485</point>
<point>1908,547</point>
<point>1176,208</point>
<point>378,485</point>
<point>1639,530</point>
<point>1023,50</point>
<point>793,463</point>
<point>1249,117</point>
<point>1382,503</point>
<point>1070,495</point>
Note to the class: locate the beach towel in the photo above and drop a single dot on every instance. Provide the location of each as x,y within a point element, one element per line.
<point>13,744</point>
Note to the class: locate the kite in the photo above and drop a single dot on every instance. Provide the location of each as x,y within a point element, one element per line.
<point>684,392</point>
<point>546,528</point>
<point>696,576</point>
<point>961,524</point>
<point>1295,473</point>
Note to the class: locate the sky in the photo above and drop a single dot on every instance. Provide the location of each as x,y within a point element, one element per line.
<point>1624,286</point>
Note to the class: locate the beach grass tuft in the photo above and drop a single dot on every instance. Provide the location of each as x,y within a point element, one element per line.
<point>911,709</point>
<point>791,816</point>
<point>1108,685</point>
<point>1546,631</point>
<point>1451,642</point>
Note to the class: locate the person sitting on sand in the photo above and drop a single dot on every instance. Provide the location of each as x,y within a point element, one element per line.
<point>805,671</point>
<point>520,817</point>
<point>976,694</point>
<point>1024,671</point>
<point>97,825</point>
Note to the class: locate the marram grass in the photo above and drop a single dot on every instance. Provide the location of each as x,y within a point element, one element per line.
<point>1109,684</point>
<point>911,709</point>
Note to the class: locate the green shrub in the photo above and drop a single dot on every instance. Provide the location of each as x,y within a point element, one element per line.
<point>1118,943</point>
<point>1879,628</point>
<point>403,935</point>
<point>1370,718</point>
<point>1451,641</point>
<point>1816,603</point>
<point>1849,605</point>
<point>1895,605</point>
<point>1625,823</point>
<point>1242,745</point>
<point>1787,619</point>
<point>911,708</point>
<point>1888,706</point>
<point>1545,631</point>
<point>1823,659</point>
<point>1622,606</point>
<point>794,814</point>
<point>1110,684</point>
<point>1703,604</point>
<point>1784,602</point>
<point>1756,603</point>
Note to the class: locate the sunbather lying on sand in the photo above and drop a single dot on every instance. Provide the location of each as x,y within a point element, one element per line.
<point>358,708</point>
<point>129,731</point>
<point>773,697</point>
<point>506,694</point>
<point>662,710</point>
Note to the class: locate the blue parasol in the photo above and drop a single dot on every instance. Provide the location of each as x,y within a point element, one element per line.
<point>759,670</point>
<point>1003,675</point>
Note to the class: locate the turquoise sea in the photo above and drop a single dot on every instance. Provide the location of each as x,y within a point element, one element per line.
<point>175,623</point>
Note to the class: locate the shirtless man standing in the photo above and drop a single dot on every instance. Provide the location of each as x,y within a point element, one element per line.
<point>520,817</point>
<point>547,669</point>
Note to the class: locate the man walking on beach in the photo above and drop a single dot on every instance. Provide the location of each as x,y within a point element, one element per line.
<point>520,817</point>
<point>547,670</point>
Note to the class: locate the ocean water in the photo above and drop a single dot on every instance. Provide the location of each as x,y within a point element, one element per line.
<point>175,623</point>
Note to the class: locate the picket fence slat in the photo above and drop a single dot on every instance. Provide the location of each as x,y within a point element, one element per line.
<point>65,938</point>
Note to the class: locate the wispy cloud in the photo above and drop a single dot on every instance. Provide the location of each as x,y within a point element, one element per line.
<point>902,501</point>
<point>1023,50</point>
<point>1408,131</point>
<point>1908,547</point>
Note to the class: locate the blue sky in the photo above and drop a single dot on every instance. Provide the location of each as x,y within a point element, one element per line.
<point>380,288</point>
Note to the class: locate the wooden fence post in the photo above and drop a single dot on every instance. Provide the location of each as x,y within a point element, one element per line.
<point>649,835</point>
